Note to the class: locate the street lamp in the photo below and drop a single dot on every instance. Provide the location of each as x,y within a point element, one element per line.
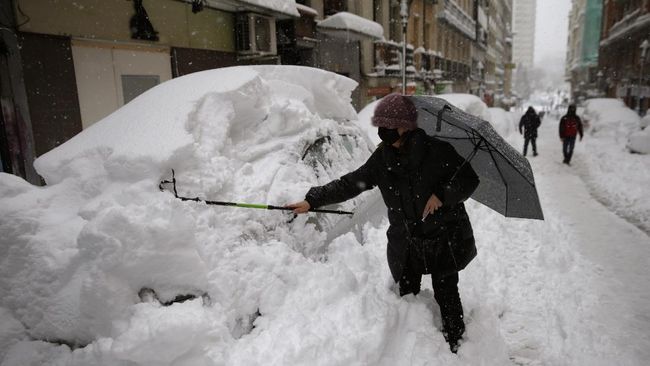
<point>404,13</point>
<point>480,67</point>
<point>644,50</point>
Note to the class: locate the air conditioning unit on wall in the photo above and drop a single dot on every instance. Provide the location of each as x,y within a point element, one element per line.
<point>255,35</point>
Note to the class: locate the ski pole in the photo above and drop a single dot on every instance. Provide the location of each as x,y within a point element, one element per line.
<point>238,204</point>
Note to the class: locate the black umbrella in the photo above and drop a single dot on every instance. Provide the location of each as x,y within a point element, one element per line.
<point>507,183</point>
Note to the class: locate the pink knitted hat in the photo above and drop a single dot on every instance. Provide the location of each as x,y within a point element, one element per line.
<point>395,110</point>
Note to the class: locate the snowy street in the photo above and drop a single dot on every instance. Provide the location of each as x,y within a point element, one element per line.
<point>324,183</point>
<point>594,304</point>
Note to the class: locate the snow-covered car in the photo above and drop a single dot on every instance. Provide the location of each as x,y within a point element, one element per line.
<point>469,103</point>
<point>78,255</point>
<point>640,142</point>
<point>609,116</point>
<point>645,121</point>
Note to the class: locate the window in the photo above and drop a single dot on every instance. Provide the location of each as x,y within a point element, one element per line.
<point>263,34</point>
<point>331,7</point>
<point>134,85</point>
<point>326,150</point>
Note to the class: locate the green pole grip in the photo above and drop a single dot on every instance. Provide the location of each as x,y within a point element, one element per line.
<point>252,205</point>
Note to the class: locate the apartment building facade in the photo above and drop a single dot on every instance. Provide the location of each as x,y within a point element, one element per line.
<point>66,64</point>
<point>524,15</point>
<point>438,52</point>
<point>582,48</point>
<point>499,54</point>
<point>523,45</point>
<point>625,39</point>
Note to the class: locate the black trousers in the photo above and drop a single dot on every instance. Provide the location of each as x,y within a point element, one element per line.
<point>445,291</point>
<point>532,142</point>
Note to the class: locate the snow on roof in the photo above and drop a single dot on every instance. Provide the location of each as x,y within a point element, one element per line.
<point>287,7</point>
<point>624,28</point>
<point>307,9</point>
<point>353,23</point>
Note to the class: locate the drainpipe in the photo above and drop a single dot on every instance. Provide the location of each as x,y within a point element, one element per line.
<point>404,13</point>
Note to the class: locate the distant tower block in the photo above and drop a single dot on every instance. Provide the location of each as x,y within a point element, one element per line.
<point>523,49</point>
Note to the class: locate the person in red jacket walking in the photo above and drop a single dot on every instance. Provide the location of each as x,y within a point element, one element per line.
<point>570,127</point>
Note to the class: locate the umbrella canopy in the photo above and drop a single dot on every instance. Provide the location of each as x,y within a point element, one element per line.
<point>507,183</point>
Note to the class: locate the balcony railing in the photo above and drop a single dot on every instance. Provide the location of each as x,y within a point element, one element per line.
<point>388,59</point>
<point>421,64</point>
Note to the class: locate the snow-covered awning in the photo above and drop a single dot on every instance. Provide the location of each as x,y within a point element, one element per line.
<point>307,10</point>
<point>351,26</point>
<point>281,9</point>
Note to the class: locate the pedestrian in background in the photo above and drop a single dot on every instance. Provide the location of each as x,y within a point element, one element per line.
<point>424,183</point>
<point>570,127</point>
<point>530,122</point>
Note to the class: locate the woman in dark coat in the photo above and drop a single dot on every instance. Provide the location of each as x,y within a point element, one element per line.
<point>424,183</point>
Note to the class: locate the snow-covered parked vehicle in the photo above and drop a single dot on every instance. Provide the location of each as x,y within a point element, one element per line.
<point>640,139</point>
<point>79,255</point>
<point>609,116</point>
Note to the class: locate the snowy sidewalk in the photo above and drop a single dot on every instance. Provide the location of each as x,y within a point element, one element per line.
<point>618,256</point>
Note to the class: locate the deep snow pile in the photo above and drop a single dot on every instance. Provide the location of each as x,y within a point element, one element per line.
<point>469,103</point>
<point>364,121</point>
<point>610,117</point>
<point>645,121</point>
<point>504,122</point>
<point>268,289</point>
<point>608,163</point>
<point>640,139</point>
<point>76,253</point>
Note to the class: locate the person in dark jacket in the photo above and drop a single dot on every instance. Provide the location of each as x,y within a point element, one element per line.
<point>530,122</point>
<point>570,127</point>
<point>423,182</point>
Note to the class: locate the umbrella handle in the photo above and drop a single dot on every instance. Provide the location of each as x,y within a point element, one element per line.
<point>440,112</point>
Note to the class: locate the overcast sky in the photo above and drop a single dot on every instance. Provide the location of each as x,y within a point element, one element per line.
<point>551,29</point>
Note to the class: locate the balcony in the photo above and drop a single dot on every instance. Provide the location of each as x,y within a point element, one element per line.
<point>454,15</point>
<point>388,56</point>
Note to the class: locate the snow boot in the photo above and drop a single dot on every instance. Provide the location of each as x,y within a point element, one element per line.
<point>445,291</point>
<point>452,330</point>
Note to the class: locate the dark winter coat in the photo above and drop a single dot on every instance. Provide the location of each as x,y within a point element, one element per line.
<point>407,178</point>
<point>530,122</point>
<point>570,126</point>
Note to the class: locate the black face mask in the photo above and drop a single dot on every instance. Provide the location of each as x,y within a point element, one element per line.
<point>388,135</point>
